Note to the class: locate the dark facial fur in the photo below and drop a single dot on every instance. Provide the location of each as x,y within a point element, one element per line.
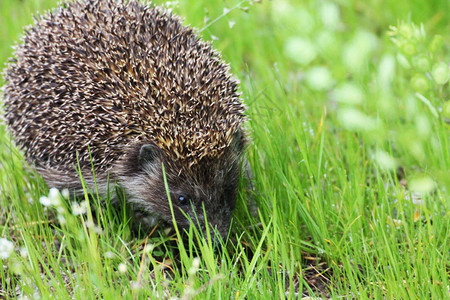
<point>131,87</point>
<point>209,186</point>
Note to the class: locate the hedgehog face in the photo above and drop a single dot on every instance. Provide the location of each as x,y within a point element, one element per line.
<point>208,188</point>
<point>210,193</point>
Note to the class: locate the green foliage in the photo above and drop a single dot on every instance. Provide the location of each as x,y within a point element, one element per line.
<point>349,108</point>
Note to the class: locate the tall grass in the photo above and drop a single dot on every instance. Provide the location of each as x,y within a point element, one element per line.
<point>349,118</point>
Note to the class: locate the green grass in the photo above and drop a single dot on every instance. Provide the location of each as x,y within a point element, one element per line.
<point>349,116</point>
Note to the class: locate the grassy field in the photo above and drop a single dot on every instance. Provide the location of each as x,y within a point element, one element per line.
<point>349,108</point>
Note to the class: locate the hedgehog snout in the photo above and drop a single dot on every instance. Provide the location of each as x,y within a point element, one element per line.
<point>209,214</point>
<point>218,221</point>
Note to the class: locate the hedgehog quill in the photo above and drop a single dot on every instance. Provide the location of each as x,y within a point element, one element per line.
<point>130,86</point>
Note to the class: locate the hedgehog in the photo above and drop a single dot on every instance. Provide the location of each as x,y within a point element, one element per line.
<point>122,93</point>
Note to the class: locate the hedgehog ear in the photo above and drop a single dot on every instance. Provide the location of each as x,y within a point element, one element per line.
<point>147,154</point>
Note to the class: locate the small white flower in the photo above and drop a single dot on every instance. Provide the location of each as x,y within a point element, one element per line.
<point>65,193</point>
<point>189,292</point>
<point>109,254</point>
<point>29,198</point>
<point>79,208</point>
<point>6,248</point>
<point>196,262</point>
<point>195,266</point>
<point>90,224</point>
<point>61,219</point>
<point>397,223</point>
<point>44,200</point>
<point>98,230</point>
<point>122,268</point>
<point>54,196</point>
<point>136,285</point>
<point>24,252</point>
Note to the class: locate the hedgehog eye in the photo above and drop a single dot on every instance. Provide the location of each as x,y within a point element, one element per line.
<point>183,200</point>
